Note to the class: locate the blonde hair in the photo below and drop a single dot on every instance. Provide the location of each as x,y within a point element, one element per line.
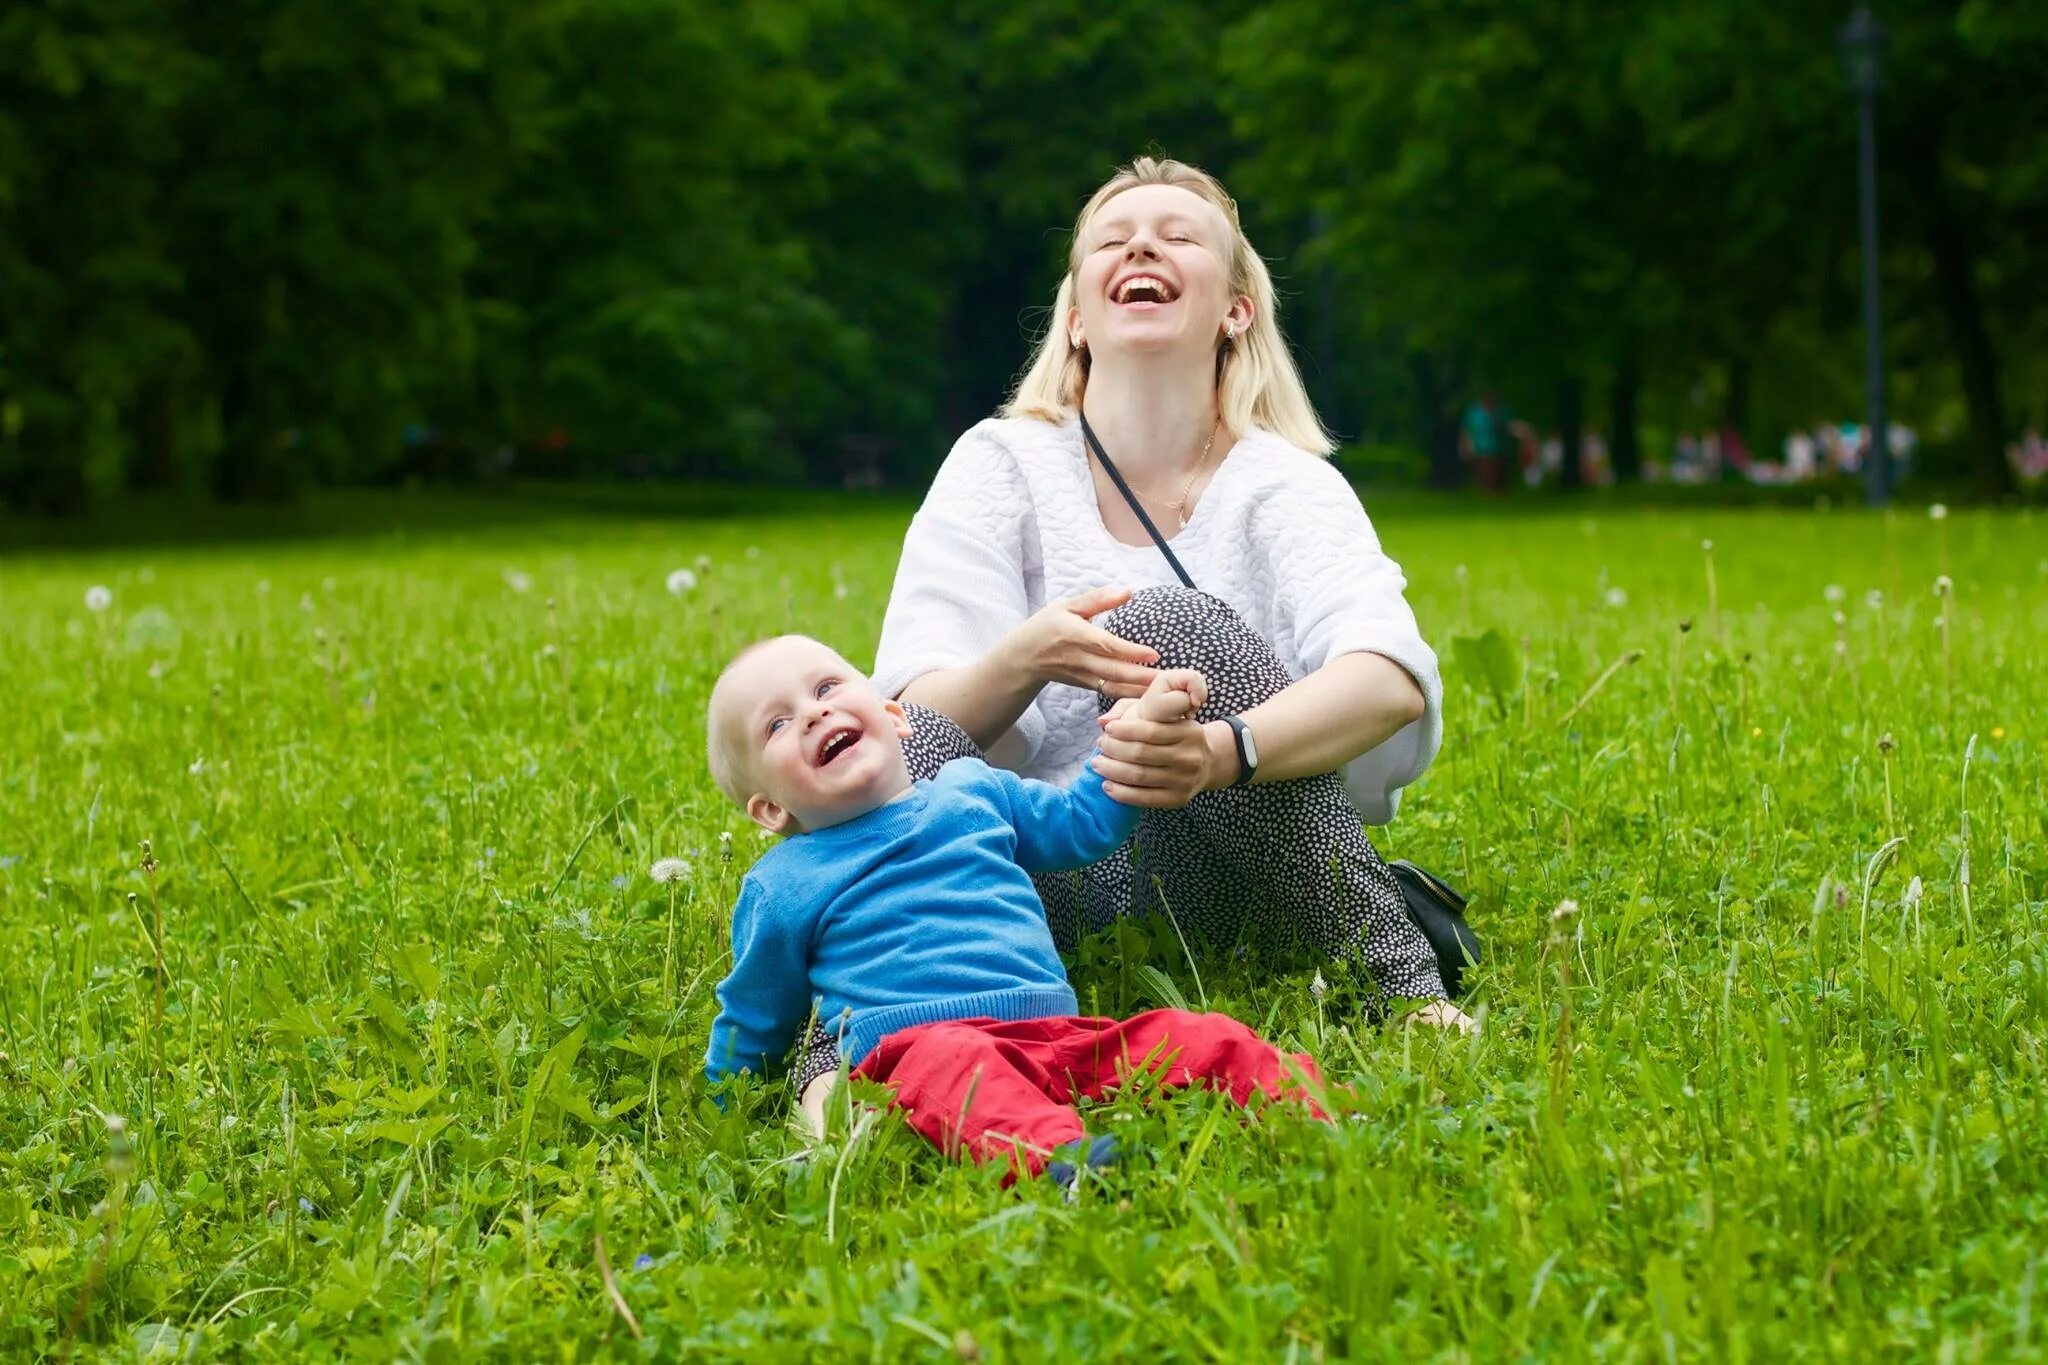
<point>725,756</point>
<point>1257,384</point>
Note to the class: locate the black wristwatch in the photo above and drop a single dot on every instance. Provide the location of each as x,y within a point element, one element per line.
<point>1247,750</point>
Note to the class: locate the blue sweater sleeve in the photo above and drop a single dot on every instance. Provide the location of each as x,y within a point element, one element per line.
<point>1059,828</point>
<point>767,996</point>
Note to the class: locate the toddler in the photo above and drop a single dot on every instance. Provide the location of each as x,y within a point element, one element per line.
<point>903,913</point>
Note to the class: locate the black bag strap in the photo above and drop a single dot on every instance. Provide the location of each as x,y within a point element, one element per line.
<point>1117,478</point>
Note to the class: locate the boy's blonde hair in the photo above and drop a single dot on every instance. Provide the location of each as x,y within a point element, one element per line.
<point>1257,384</point>
<point>727,758</point>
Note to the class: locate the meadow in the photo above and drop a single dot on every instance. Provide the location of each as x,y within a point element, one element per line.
<point>342,1017</point>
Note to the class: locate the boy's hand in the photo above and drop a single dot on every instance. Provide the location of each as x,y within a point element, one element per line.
<point>1174,695</point>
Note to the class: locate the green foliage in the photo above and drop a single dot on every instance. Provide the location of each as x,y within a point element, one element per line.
<point>249,246</point>
<point>429,1030</point>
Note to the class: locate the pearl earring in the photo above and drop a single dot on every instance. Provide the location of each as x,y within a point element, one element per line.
<point>1230,331</point>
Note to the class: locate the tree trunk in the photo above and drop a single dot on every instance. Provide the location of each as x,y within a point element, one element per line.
<point>1436,400</point>
<point>1976,362</point>
<point>1571,432</point>
<point>1624,445</point>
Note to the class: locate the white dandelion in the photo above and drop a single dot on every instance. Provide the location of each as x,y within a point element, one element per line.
<point>98,597</point>
<point>1874,599</point>
<point>668,870</point>
<point>681,581</point>
<point>1835,593</point>
<point>839,591</point>
<point>1943,585</point>
<point>517,581</point>
<point>702,563</point>
<point>1938,511</point>
<point>1617,598</point>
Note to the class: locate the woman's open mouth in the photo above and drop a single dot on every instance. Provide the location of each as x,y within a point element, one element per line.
<point>1143,291</point>
<point>837,743</point>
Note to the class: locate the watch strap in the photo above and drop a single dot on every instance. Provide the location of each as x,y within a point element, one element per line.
<point>1246,768</point>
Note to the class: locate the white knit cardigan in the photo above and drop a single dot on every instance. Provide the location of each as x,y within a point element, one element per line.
<point>1011,523</point>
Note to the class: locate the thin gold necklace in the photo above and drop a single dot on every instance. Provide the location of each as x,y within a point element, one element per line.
<point>1180,504</point>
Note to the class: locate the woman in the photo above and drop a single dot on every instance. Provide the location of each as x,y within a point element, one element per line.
<point>1031,598</point>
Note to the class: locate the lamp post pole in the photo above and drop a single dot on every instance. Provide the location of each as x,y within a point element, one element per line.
<point>1861,42</point>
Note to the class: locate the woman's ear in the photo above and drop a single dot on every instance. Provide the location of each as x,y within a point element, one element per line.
<point>900,716</point>
<point>1240,317</point>
<point>769,816</point>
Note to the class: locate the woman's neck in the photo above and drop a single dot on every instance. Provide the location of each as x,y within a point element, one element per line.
<point>1151,420</point>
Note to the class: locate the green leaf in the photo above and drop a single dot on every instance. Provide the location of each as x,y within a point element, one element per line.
<point>1492,661</point>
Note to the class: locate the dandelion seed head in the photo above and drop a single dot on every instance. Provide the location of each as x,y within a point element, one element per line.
<point>1940,622</point>
<point>517,581</point>
<point>263,587</point>
<point>327,584</point>
<point>1885,743</point>
<point>1840,619</point>
<point>753,552</point>
<point>668,870</point>
<point>1617,598</point>
<point>702,563</point>
<point>1707,546</point>
<point>1938,511</point>
<point>1874,600</point>
<point>305,601</point>
<point>1565,910</point>
<point>681,581</point>
<point>98,597</point>
<point>1943,585</point>
<point>1834,592</point>
<point>839,591</point>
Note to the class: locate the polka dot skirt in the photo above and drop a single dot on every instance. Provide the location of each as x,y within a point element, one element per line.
<point>1285,867</point>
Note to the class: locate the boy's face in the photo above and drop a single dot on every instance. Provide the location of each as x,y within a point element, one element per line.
<point>820,745</point>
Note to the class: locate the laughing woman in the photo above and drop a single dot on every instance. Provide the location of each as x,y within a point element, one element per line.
<point>1033,595</point>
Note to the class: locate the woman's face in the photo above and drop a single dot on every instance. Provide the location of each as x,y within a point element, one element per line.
<point>1152,276</point>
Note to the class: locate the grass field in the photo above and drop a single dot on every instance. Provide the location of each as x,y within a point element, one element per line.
<point>404,1042</point>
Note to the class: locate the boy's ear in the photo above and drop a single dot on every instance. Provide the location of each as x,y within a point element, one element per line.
<point>769,816</point>
<point>900,716</point>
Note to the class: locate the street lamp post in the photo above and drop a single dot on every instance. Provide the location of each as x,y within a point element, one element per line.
<point>1861,43</point>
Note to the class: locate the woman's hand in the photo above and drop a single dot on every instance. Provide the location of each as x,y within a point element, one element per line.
<point>1443,1014</point>
<point>1060,643</point>
<point>1153,752</point>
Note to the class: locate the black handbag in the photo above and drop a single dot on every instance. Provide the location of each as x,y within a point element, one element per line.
<point>1435,907</point>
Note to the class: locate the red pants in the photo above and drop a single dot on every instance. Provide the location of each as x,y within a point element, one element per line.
<point>982,1089</point>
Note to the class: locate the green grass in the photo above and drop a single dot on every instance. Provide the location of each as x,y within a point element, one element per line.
<point>425,1031</point>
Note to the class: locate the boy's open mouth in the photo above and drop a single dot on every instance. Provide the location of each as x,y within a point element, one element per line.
<point>837,743</point>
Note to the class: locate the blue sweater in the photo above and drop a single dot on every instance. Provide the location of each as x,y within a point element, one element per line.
<point>916,912</point>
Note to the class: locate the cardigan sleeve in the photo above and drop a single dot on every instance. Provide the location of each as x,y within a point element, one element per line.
<point>960,585</point>
<point>1339,594</point>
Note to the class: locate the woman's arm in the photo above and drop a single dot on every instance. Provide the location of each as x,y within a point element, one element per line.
<point>1351,704</point>
<point>1059,643</point>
